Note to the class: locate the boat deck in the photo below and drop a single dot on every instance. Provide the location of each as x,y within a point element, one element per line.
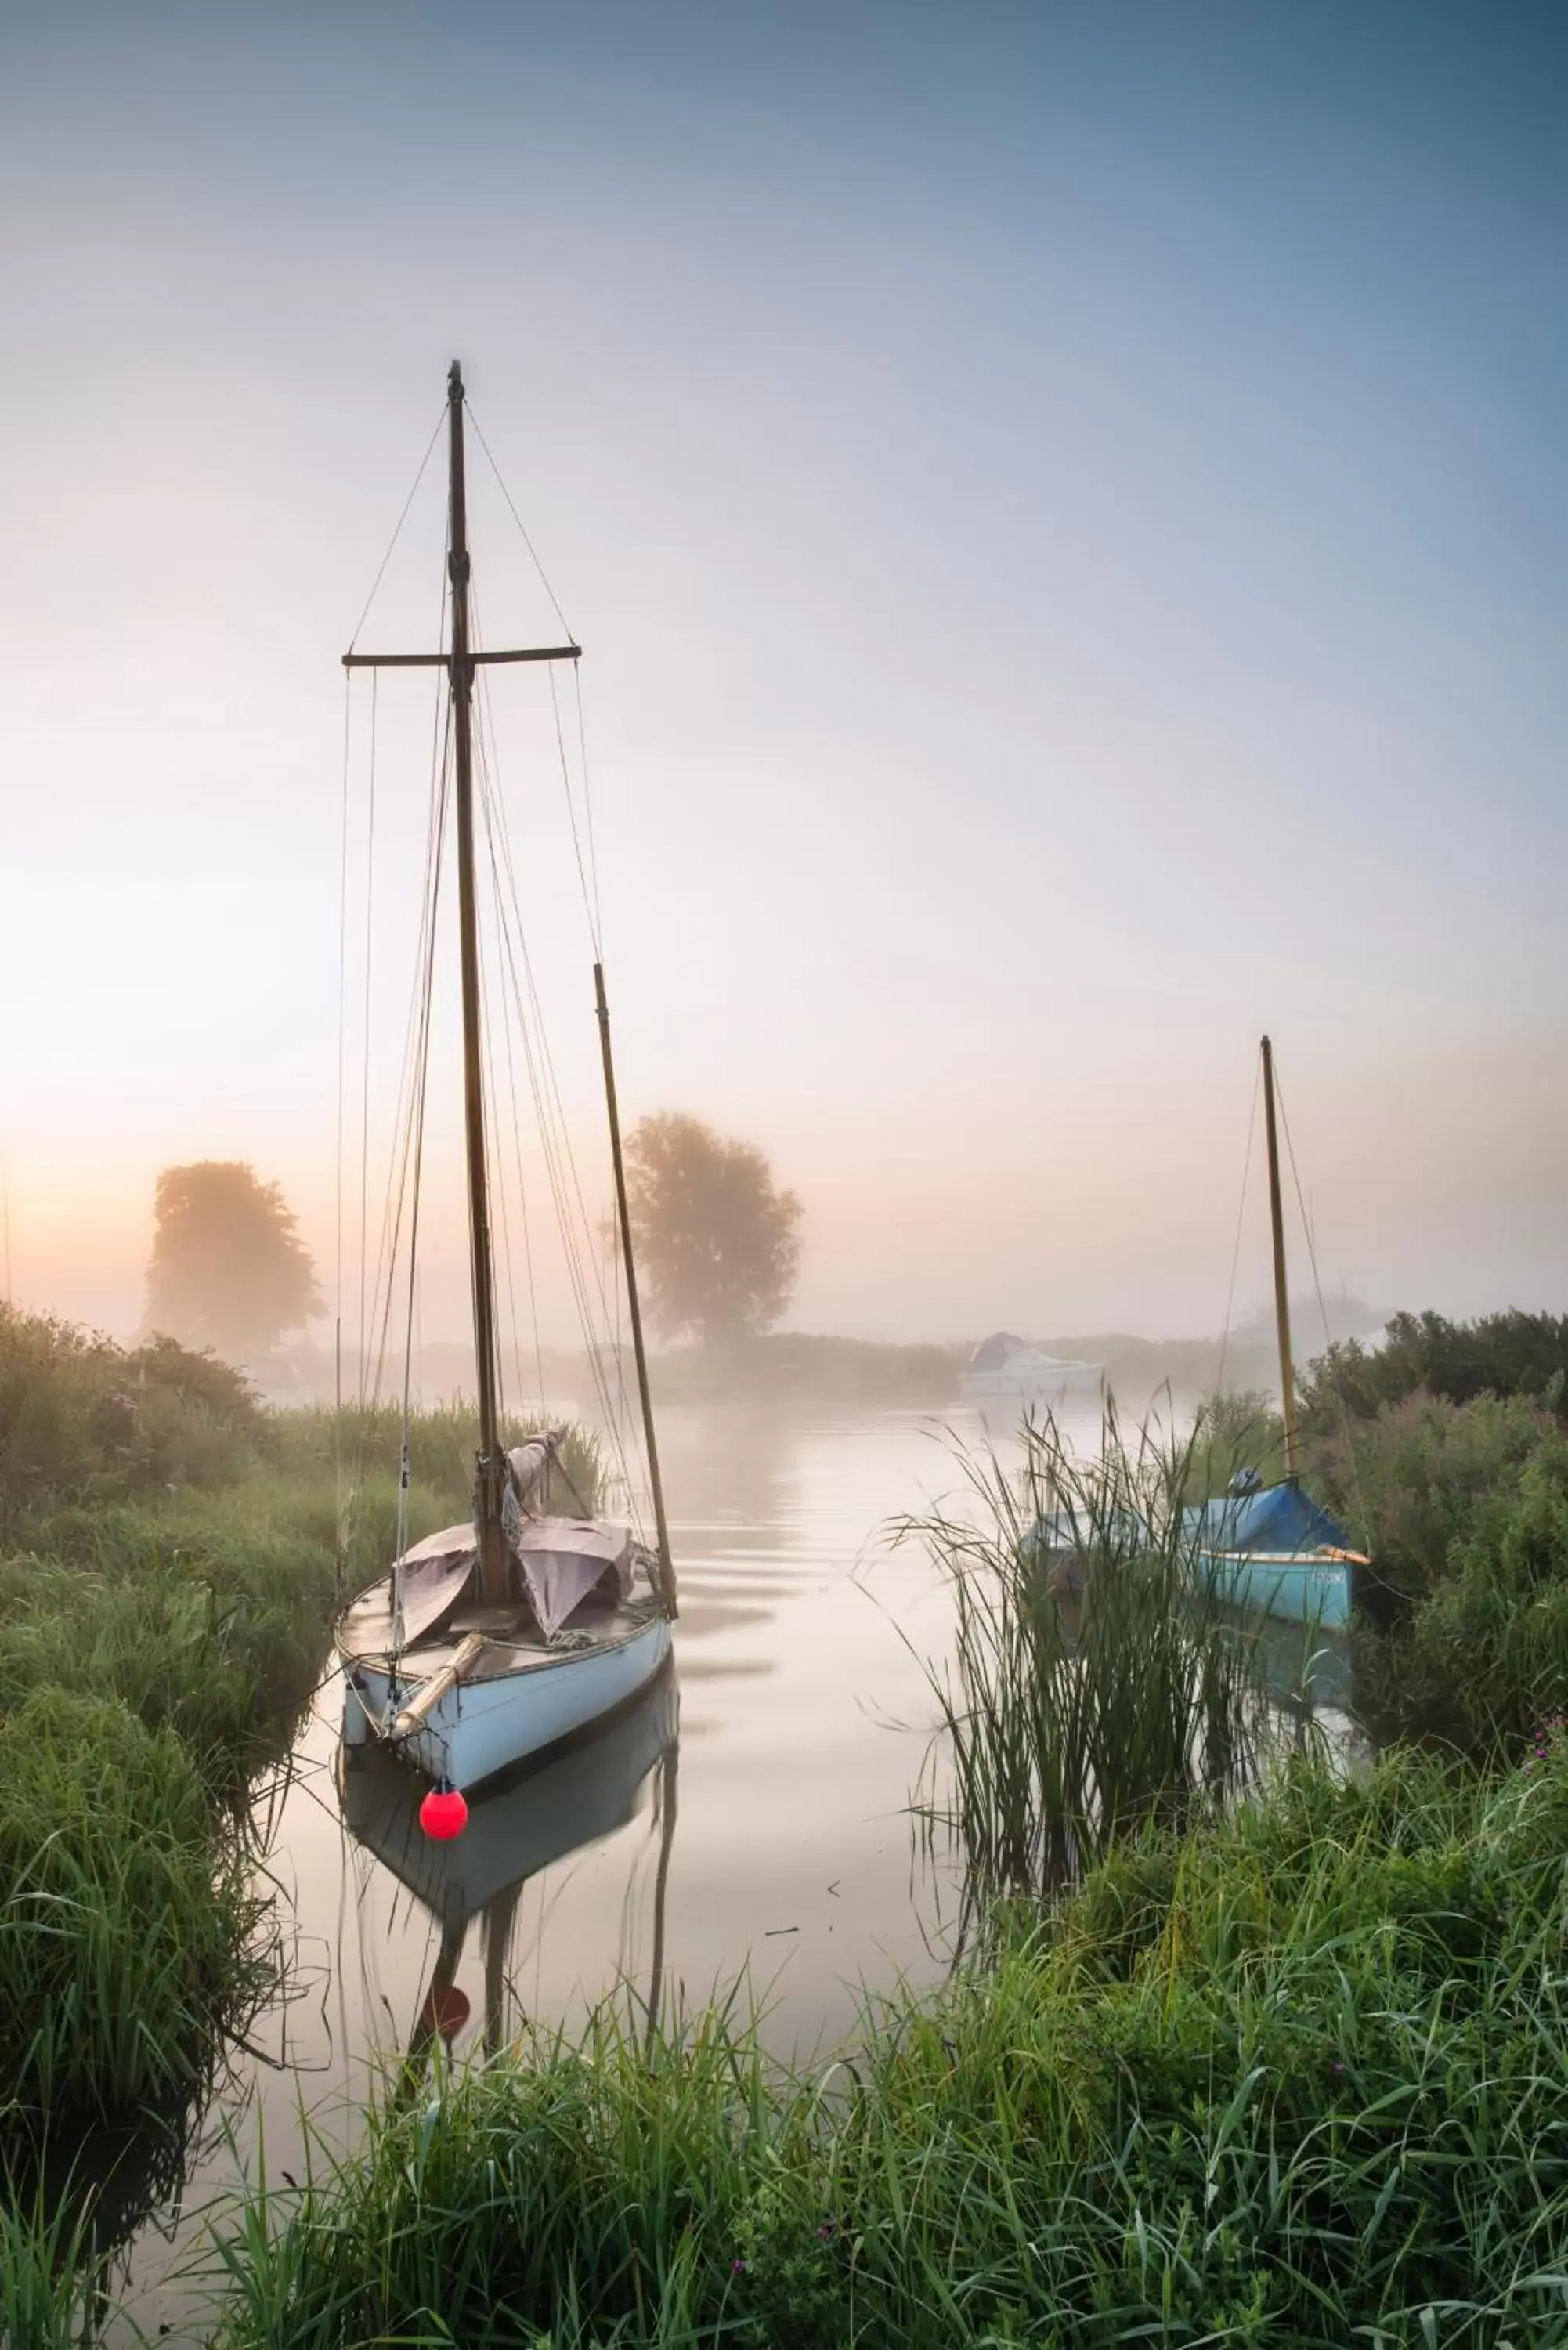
<point>513,1640</point>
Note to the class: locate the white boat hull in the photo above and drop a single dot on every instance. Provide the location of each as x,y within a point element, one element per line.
<point>480,1727</point>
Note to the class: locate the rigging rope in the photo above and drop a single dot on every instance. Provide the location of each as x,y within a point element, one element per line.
<point>398,532</point>
<point>1241,1218</point>
<point>495,1135</point>
<point>587,798</point>
<point>487,726</point>
<point>560,1163</point>
<point>550,1138</point>
<point>590,897</point>
<point>409,1100</point>
<point>365,1086</point>
<point>342,1056</point>
<point>589,882</point>
<point>1300,1203</point>
<point>429,992</point>
<point>588,876</point>
<point>543,576</point>
<point>1322,1305</point>
<point>495,1160</point>
<point>440,748</point>
<point>555,1135</point>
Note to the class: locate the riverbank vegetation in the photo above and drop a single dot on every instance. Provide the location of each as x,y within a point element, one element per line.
<point>171,1554</point>
<point>1295,2077</point>
<point>1095,1684</point>
<point>1245,2047</point>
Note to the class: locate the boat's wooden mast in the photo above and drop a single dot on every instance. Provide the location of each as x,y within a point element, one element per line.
<point>1281,1293</point>
<point>666,1562</point>
<point>493,1574</point>
<point>461,661</point>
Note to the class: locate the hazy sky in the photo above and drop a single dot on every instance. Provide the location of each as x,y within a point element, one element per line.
<point>1067,508</point>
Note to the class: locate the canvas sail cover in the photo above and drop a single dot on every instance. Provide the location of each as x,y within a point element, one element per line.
<point>531,1463</point>
<point>1282,1522</point>
<point>566,1561</point>
<point>427,1583</point>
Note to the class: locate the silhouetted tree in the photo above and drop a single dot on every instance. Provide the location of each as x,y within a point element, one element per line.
<point>229,1270</point>
<point>717,1248</point>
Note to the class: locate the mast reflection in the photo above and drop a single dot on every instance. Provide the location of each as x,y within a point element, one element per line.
<point>518,1826</point>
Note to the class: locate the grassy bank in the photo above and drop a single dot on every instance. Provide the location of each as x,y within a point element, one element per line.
<point>1297,2077</point>
<point>171,1555</point>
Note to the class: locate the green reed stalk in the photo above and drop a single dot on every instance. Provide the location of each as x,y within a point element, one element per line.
<point>1097,1682</point>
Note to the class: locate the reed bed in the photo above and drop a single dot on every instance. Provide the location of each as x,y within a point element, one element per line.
<point>1097,1681</point>
<point>1296,2076</point>
<point>50,2282</point>
<point>129,1930</point>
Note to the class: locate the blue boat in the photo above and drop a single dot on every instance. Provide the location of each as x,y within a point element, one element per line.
<point>1267,1550</point>
<point>1272,1550</point>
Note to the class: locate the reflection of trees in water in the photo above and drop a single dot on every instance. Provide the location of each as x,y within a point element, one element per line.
<point>729,1465</point>
<point>732,1477</point>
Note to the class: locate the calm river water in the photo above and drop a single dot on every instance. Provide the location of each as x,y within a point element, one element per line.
<point>751,1818</point>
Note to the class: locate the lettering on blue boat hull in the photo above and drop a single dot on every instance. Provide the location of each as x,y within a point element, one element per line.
<point>1301,1590</point>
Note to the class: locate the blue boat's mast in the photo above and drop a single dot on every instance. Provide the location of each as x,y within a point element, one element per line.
<point>1282,1294</point>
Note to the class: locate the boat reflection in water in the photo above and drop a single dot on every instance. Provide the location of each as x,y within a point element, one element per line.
<point>551,1807</point>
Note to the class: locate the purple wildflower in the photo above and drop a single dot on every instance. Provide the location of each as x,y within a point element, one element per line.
<point>738,2268</point>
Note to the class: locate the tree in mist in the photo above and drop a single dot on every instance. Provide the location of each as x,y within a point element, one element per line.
<point>229,1270</point>
<point>716,1239</point>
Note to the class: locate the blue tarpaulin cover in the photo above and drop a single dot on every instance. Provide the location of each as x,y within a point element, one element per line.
<point>1282,1519</point>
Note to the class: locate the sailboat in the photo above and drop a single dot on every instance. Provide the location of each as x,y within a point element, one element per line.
<point>495,1638</point>
<point>1270,1548</point>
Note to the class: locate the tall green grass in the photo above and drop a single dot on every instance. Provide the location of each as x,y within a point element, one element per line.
<point>1296,2077</point>
<point>50,2273</point>
<point>345,1469</point>
<point>218,1634</point>
<point>1097,1682</point>
<point>127,1922</point>
<point>171,1557</point>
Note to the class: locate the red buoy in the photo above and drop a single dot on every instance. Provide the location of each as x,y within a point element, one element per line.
<point>443,1813</point>
<point>447,2011</point>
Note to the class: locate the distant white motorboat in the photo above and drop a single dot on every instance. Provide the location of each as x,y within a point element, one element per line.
<point>492,1640</point>
<point>1006,1368</point>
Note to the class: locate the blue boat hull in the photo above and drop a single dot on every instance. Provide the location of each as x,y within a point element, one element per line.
<point>1301,1590</point>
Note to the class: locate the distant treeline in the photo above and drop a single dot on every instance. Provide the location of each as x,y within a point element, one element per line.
<point>869,1370</point>
<point>1376,1358</point>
